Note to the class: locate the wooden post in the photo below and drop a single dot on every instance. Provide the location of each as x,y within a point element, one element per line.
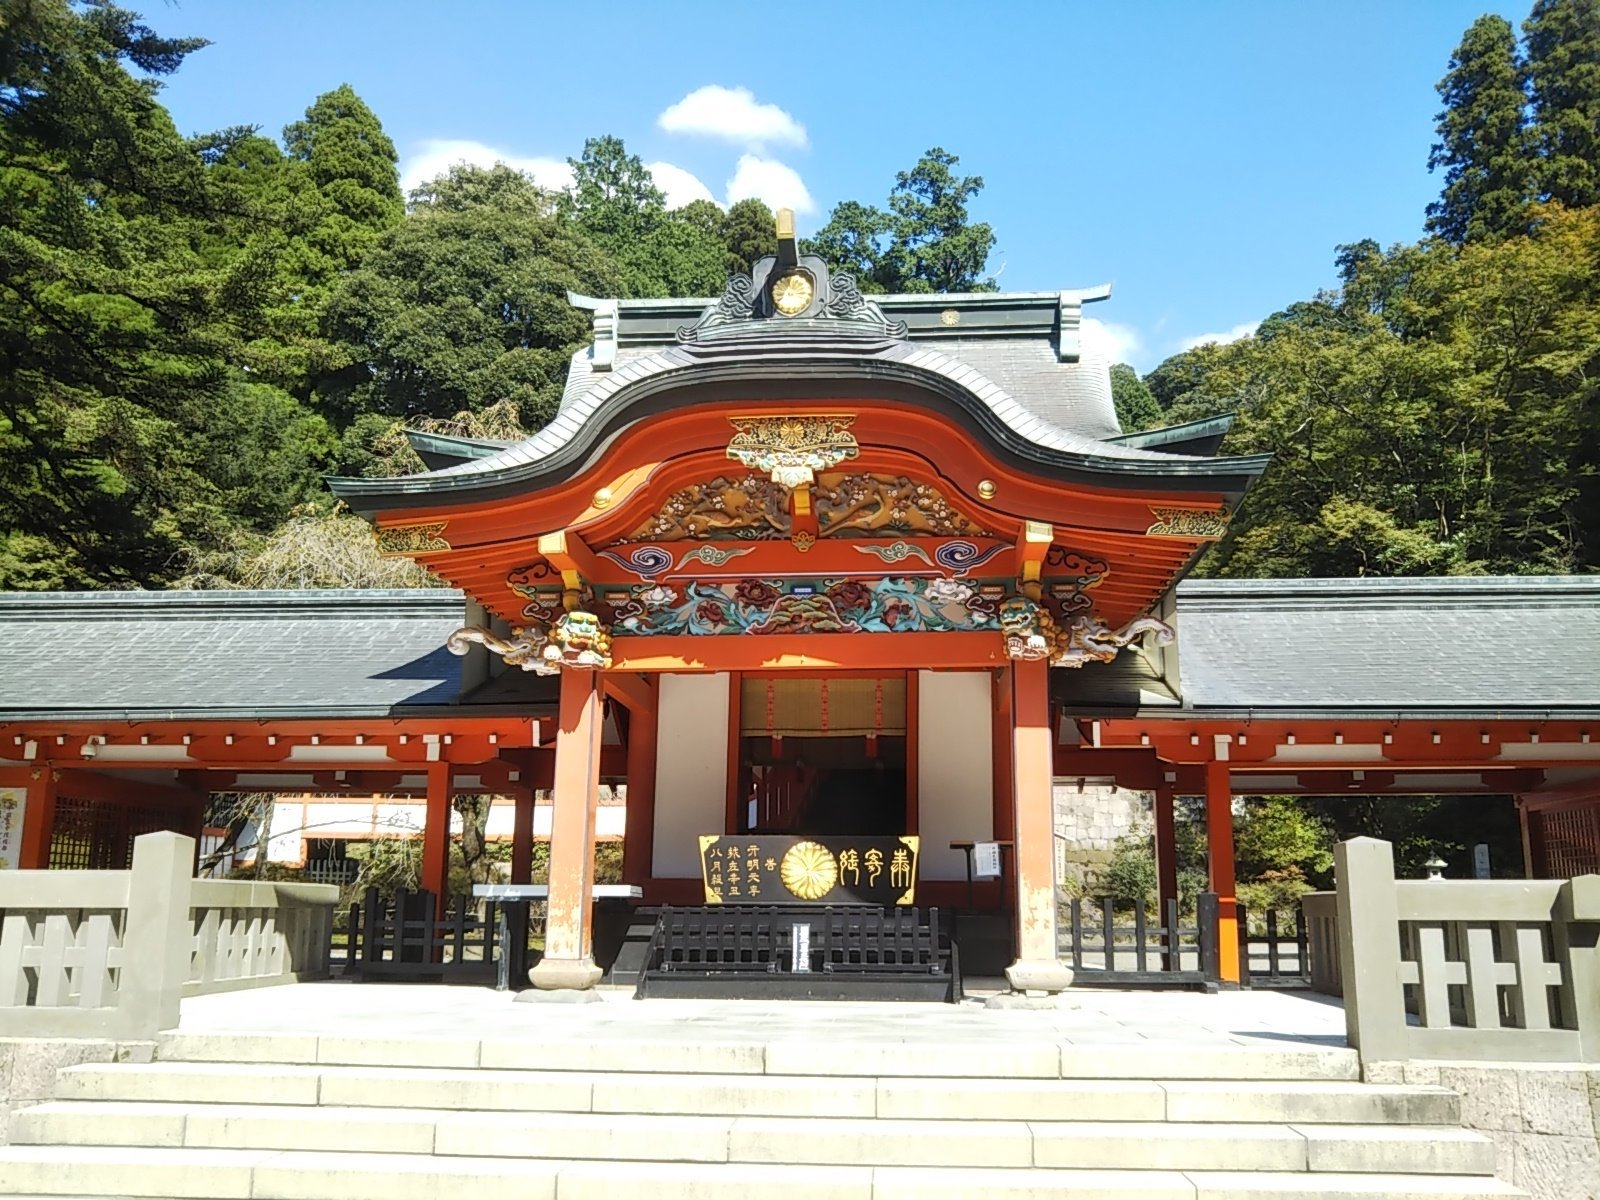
<point>1166,847</point>
<point>638,838</point>
<point>568,960</point>
<point>1038,966</point>
<point>436,836</point>
<point>1166,837</point>
<point>1219,841</point>
<point>38,820</point>
<point>523,800</point>
<point>1004,806</point>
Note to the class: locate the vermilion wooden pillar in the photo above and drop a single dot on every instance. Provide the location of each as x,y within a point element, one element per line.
<point>38,820</point>
<point>1166,848</point>
<point>568,960</point>
<point>522,835</point>
<point>638,839</point>
<point>1038,967</point>
<point>1219,841</point>
<point>436,836</point>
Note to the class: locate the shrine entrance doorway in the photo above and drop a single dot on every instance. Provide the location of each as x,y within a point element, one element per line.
<point>825,756</point>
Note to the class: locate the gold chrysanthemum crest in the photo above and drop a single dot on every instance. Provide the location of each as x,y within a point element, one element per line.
<point>792,449</point>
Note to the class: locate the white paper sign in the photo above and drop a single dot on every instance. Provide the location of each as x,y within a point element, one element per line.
<point>13,802</point>
<point>986,860</point>
<point>801,949</point>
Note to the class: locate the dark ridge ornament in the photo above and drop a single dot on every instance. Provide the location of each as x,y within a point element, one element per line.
<point>789,295</point>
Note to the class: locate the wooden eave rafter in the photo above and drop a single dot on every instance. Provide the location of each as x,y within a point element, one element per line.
<point>1337,744</point>
<point>302,746</point>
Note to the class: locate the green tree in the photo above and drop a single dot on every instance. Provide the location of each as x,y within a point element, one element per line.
<point>463,306</point>
<point>613,197</point>
<point>936,246</point>
<point>749,230</point>
<point>1563,48</point>
<point>1434,415</point>
<point>1483,141</point>
<point>924,242</point>
<point>616,204</point>
<point>856,241</point>
<point>124,436</point>
<point>1280,834</point>
<point>1136,406</point>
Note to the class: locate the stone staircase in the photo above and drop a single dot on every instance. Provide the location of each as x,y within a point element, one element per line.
<point>265,1115</point>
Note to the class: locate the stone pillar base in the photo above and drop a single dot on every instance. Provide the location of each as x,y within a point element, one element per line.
<point>553,974</point>
<point>1037,976</point>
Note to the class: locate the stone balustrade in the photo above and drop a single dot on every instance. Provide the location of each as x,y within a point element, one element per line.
<point>109,954</point>
<point>1495,970</point>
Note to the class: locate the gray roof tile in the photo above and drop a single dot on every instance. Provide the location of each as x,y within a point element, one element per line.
<point>216,654</point>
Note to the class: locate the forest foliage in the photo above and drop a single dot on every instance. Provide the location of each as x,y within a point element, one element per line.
<point>196,329</point>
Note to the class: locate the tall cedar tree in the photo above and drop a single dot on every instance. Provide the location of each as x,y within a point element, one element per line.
<point>936,248</point>
<point>1483,139</point>
<point>1563,46</point>
<point>616,204</point>
<point>122,437</point>
<point>924,243</point>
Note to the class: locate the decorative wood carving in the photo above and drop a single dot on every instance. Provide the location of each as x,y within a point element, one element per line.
<point>408,541</point>
<point>872,505</point>
<point>792,449</point>
<point>723,509</point>
<point>1194,523</point>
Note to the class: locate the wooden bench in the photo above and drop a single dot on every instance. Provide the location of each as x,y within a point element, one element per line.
<point>835,952</point>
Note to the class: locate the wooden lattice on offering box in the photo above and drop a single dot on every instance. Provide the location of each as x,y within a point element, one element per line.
<point>786,869</point>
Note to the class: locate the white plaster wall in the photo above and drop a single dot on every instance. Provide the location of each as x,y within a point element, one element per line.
<point>691,770</point>
<point>955,767</point>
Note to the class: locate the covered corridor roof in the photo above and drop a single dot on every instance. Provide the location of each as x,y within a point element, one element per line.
<point>1463,648</point>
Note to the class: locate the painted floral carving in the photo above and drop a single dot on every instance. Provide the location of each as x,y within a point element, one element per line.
<point>850,595</point>
<point>949,591</point>
<point>659,596</point>
<point>755,591</point>
<point>893,605</point>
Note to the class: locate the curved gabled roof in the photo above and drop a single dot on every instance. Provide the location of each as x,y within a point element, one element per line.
<point>789,371</point>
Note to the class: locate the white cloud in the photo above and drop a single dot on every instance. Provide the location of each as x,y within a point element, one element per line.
<point>435,156</point>
<point>1115,343</point>
<point>1243,330</point>
<point>733,115</point>
<point>769,180</point>
<point>682,187</point>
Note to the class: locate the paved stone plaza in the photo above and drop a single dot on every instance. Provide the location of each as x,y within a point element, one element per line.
<point>1258,1019</point>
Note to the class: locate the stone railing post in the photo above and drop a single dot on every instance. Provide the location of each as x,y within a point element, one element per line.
<point>1577,946</point>
<point>159,939</point>
<point>1369,949</point>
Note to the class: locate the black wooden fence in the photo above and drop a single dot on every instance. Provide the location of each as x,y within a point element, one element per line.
<point>1152,947</point>
<point>402,937</point>
<point>1273,950</point>
<point>805,952</point>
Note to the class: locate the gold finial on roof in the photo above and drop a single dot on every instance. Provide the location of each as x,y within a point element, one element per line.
<point>788,256</point>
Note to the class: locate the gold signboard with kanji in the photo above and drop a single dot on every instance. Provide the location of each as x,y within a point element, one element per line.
<point>768,869</point>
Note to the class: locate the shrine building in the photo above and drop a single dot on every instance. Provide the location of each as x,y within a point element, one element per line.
<point>800,561</point>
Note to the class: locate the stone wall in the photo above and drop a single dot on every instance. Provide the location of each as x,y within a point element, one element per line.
<point>1544,1119</point>
<point>28,1068</point>
<point>1089,822</point>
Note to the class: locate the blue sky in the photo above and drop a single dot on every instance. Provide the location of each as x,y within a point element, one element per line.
<point>1203,157</point>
